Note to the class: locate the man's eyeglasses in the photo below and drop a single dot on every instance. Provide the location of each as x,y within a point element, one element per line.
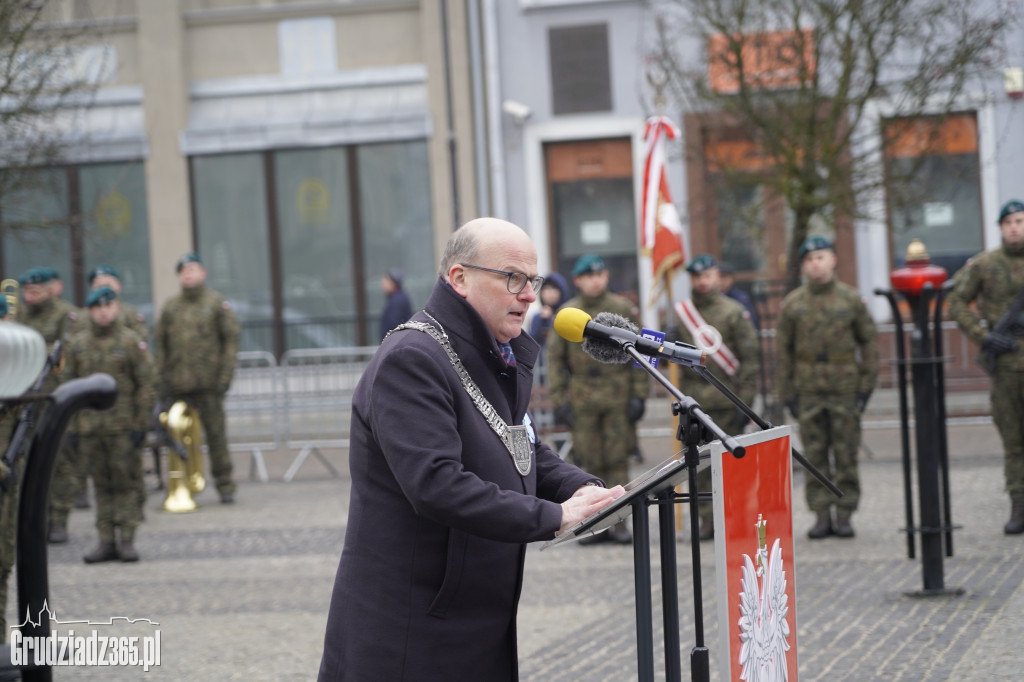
<point>517,281</point>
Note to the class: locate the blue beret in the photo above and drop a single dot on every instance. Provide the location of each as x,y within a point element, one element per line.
<point>1009,208</point>
<point>815,243</point>
<point>38,275</point>
<point>103,270</point>
<point>395,275</point>
<point>192,257</point>
<point>704,261</point>
<point>588,263</point>
<point>100,296</point>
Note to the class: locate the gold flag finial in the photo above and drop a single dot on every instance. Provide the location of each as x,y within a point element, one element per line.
<point>916,253</point>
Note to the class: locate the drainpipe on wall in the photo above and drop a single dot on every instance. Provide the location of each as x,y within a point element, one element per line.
<point>499,200</point>
<point>483,194</point>
<point>449,105</point>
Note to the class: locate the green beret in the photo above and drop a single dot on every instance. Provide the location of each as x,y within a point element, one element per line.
<point>588,263</point>
<point>3,306</point>
<point>192,257</point>
<point>704,261</point>
<point>38,275</point>
<point>1009,208</point>
<point>815,243</point>
<point>103,270</point>
<point>100,296</point>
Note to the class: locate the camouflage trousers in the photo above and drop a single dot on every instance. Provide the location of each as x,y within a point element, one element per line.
<point>115,468</point>
<point>602,439</point>
<point>1007,399</point>
<point>66,482</point>
<point>830,434</point>
<point>210,406</point>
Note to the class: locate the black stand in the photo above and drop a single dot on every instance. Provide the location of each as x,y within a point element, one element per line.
<point>927,374</point>
<point>695,429</point>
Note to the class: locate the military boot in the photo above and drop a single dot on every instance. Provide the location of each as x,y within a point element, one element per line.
<point>126,550</point>
<point>105,551</point>
<point>620,533</point>
<point>822,528</point>
<point>1015,526</point>
<point>843,529</point>
<point>57,533</point>
<point>707,529</point>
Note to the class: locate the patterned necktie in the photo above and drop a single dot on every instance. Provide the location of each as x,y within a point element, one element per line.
<point>506,354</point>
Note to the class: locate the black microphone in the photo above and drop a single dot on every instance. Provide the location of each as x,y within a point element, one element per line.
<point>610,332</point>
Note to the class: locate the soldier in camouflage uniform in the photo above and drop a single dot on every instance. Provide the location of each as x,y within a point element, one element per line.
<point>196,349</point>
<point>110,438</point>
<point>45,311</point>
<point>725,331</point>
<point>601,403</point>
<point>991,281</point>
<point>827,346</point>
<point>107,276</point>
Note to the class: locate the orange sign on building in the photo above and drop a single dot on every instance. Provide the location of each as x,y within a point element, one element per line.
<point>768,60</point>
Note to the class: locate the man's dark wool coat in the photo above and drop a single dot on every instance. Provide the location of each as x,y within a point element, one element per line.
<point>431,571</point>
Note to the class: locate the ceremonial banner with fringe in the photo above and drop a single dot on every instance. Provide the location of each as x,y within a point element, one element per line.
<point>662,231</point>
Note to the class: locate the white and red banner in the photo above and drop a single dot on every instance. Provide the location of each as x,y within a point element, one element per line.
<point>661,228</point>
<point>754,560</point>
<point>706,337</point>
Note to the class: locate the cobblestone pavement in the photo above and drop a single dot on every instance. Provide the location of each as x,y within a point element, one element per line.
<point>240,592</point>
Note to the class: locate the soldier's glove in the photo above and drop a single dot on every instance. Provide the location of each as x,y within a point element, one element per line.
<point>137,438</point>
<point>635,409</point>
<point>997,343</point>
<point>793,405</point>
<point>563,415</point>
<point>862,400</point>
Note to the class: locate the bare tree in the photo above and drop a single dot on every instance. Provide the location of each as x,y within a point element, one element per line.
<point>47,71</point>
<point>807,81</point>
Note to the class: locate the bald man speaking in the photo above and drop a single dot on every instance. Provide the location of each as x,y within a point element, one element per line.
<point>449,481</point>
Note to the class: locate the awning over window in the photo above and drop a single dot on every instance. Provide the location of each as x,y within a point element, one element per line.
<point>264,112</point>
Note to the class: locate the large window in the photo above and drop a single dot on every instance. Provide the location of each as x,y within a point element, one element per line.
<point>302,237</point>
<point>77,217</point>
<point>934,188</point>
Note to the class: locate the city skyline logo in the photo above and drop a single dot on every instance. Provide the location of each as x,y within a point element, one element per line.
<point>63,647</point>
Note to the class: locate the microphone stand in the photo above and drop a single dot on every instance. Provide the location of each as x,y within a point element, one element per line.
<point>695,428</point>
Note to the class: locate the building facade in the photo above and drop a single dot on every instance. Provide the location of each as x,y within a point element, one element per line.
<point>304,146</point>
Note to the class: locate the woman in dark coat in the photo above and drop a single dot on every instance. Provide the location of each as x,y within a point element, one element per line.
<point>431,572</point>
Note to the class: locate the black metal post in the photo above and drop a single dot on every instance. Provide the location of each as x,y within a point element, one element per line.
<point>642,589</point>
<point>669,586</point>
<point>901,375</point>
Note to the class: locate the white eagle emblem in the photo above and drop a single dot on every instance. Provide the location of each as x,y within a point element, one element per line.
<point>764,630</point>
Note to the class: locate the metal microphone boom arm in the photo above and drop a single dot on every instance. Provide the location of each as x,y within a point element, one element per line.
<point>765,425</point>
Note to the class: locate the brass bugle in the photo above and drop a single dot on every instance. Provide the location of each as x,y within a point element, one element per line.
<point>9,287</point>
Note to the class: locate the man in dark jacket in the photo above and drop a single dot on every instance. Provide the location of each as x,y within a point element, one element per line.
<point>442,506</point>
<point>398,307</point>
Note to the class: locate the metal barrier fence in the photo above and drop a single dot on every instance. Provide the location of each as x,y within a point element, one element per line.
<point>304,403</point>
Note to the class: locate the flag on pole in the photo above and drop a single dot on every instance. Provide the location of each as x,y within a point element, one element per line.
<point>662,230</point>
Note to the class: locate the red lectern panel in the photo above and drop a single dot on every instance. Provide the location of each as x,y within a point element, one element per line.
<point>754,560</point>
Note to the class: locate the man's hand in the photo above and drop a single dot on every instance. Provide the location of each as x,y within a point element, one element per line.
<point>997,343</point>
<point>635,409</point>
<point>563,415</point>
<point>793,405</point>
<point>584,502</point>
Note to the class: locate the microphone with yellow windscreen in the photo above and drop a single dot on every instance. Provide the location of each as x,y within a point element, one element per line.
<point>570,323</point>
